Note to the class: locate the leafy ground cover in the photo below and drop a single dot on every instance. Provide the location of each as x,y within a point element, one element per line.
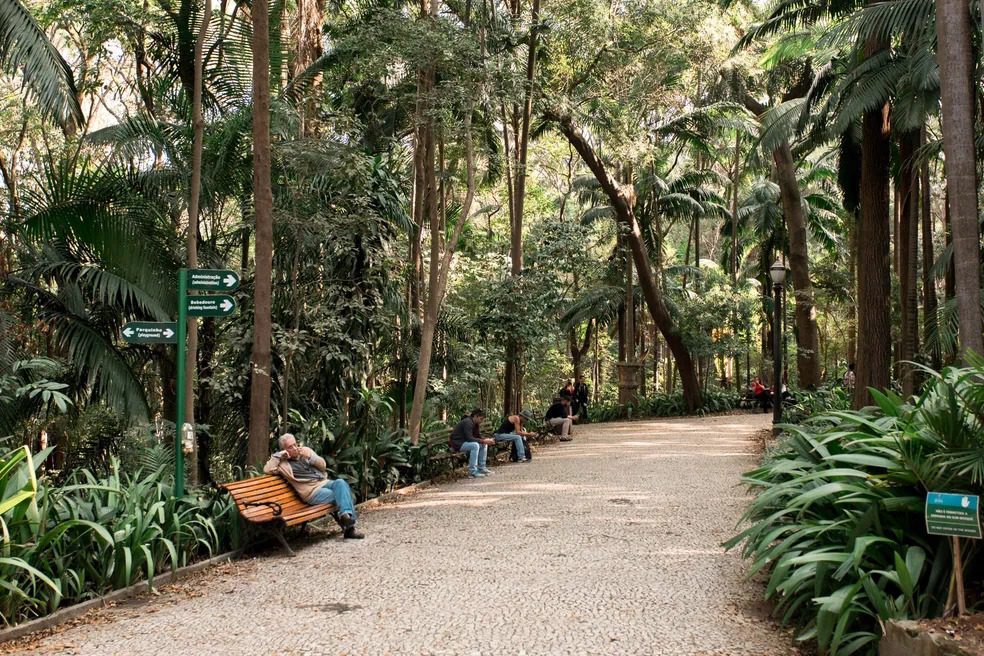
<point>95,533</point>
<point>837,524</point>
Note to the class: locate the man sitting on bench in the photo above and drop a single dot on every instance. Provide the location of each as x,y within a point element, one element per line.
<point>511,430</point>
<point>559,414</point>
<point>465,438</point>
<point>306,472</point>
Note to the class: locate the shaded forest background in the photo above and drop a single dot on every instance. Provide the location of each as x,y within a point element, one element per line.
<point>437,205</point>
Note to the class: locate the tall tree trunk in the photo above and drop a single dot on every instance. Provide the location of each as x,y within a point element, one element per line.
<point>440,266</point>
<point>626,379</point>
<point>194,213</point>
<point>807,334</point>
<point>260,360</point>
<point>852,310</point>
<point>309,16</point>
<point>955,51</point>
<point>950,278</point>
<point>626,217</point>
<point>907,238</point>
<point>874,240</point>
<point>735,184</point>
<point>578,353</point>
<point>512,394</point>
<point>929,259</point>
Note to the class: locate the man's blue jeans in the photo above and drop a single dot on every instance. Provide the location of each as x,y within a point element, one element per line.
<point>337,492</point>
<point>477,453</point>
<point>515,439</point>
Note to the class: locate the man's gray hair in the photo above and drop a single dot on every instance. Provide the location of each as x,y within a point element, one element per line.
<point>284,437</point>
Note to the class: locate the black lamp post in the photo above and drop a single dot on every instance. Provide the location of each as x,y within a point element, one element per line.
<point>778,274</point>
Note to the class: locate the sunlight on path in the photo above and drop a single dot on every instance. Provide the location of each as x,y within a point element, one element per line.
<point>609,544</point>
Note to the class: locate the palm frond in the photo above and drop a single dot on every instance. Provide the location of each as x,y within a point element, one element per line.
<point>25,48</point>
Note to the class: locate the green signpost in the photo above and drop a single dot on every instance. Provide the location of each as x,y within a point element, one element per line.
<point>150,332</point>
<point>219,305</point>
<point>956,516</point>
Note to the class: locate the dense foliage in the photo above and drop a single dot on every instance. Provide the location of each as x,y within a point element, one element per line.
<point>838,521</point>
<point>68,543</point>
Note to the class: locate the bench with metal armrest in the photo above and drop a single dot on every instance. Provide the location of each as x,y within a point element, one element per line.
<point>270,503</point>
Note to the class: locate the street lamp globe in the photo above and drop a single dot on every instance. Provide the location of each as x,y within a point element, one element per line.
<point>778,273</point>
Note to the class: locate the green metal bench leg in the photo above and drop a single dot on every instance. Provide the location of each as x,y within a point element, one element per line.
<point>279,534</point>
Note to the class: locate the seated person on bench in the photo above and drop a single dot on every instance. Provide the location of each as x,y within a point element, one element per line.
<point>306,472</point>
<point>465,438</point>
<point>559,414</point>
<point>511,430</point>
<point>762,395</point>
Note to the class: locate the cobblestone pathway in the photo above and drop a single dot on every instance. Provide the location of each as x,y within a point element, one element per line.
<point>605,545</point>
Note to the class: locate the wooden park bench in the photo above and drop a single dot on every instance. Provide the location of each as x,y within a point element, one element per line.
<point>438,439</point>
<point>270,503</point>
<point>748,401</point>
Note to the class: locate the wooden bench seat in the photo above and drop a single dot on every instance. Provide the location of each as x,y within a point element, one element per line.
<point>270,502</point>
<point>439,439</point>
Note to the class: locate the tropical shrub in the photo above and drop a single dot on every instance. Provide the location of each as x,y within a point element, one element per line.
<point>838,520</point>
<point>663,405</point>
<point>812,403</point>
<point>65,544</point>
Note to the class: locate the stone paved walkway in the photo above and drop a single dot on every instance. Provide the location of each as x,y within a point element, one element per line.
<point>605,545</point>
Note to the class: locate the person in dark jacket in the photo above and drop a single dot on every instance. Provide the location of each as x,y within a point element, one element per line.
<point>559,414</point>
<point>466,438</point>
<point>582,394</point>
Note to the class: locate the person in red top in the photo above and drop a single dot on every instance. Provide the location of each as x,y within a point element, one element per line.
<point>762,395</point>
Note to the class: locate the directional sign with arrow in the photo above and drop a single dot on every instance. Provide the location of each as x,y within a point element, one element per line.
<point>218,305</point>
<point>146,332</point>
<point>212,280</point>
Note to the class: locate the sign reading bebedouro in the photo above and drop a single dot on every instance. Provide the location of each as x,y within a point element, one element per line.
<point>150,332</point>
<point>212,280</point>
<point>218,305</point>
<point>953,514</point>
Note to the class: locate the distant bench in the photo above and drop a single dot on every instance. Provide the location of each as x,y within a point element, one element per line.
<point>270,503</point>
<point>438,450</point>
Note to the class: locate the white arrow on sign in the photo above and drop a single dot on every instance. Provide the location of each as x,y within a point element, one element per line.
<point>128,332</point>
<point>168,333</point>
<point>226,305</point>
<point>229,280</point>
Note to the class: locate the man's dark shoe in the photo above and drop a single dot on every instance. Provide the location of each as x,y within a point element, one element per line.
<point>352,534</point>
<point>346,521</point>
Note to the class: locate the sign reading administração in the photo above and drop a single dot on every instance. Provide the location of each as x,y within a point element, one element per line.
<point>212,280</point>
<point>150,332</point>
<point>953,514</point>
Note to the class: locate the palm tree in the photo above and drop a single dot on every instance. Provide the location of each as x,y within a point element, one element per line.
<point>260,362</point>
<point>25,48</point>
<point>94,255</point>
<point>777,143</point>
<point>955,48</point>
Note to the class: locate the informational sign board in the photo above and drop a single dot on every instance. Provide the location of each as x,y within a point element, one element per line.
<point>150,332</point>
<point>953,514</point>
<point>218,305</point>
<point>212,280</point>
